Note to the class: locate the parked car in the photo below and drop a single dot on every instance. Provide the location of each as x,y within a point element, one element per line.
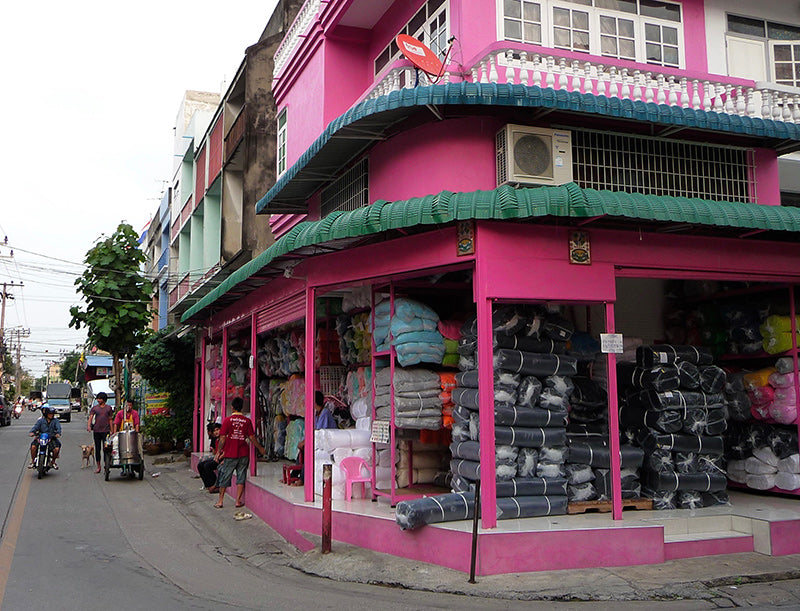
<point>58,394</point>
<point>6,410</point>
<point>75,399</point>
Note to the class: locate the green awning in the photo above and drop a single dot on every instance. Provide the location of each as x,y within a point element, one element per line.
<point>503,203</point>
<point>350,134</point>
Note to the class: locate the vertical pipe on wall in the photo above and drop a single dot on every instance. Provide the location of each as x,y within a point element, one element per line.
<point>485,397</point>
<point>255,416</point>
<point>308,451</point>
<point>613,422</point>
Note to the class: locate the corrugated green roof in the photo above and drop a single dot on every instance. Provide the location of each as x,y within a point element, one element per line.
<point>506,203</point>
<point>378,114</point>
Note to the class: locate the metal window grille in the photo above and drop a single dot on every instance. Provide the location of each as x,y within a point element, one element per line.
<point>652,166</point>
<point>348,192</point>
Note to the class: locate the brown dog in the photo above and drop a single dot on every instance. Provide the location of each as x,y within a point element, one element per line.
<point>87,456</point>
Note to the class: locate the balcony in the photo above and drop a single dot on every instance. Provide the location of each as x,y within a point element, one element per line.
<point>575,72</point>
<point>235,135</point>
<point>163,261</point>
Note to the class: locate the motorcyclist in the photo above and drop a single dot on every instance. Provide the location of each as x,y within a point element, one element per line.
<point>46,424</point>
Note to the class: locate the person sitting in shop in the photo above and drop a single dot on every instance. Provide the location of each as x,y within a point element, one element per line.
<point>207,468</point>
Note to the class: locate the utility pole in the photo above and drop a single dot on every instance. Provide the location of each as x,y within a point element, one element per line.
<point>4,295</point>
<point>16,334</point>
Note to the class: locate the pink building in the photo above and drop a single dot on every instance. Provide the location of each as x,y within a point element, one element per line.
<point>599,175</point>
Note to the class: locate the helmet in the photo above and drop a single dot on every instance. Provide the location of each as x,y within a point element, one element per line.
<point>47,410</point>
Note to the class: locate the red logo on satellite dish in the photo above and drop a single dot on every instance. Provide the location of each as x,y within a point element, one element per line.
<point>419,55</point>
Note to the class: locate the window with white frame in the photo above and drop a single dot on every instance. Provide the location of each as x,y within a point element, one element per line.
<point>281,157</point>
<point>429,25</point>
<point>778,43</point>
<point>647,31</point>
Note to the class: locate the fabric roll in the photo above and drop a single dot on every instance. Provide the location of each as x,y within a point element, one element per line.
<point>675,399</point>
<point>703,482</point>
<point>712,379</point>
<point>667,421</point>
<point>467,450</point>
<point>532,486</point>
<point>660,378</point>
<point>530,388</point>
<point>509,508</point>
<point>529,437</point>
<point>429,510</point>
<point>688,375</point>
<point>529,344</point>
<point>665,354</point>
<point>599,456</point>
<point>650,442</point>
<point>535,364</point>
<point>529,416</point>
<point>527,460</point>
<point>470,469</point>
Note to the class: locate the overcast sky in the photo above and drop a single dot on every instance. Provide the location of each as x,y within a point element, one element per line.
<point>90,92</point>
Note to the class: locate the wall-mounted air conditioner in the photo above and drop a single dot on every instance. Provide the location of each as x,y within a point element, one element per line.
<point>533,156</point>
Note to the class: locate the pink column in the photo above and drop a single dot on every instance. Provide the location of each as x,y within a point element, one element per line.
<point>203,344</point>
<point>793,315</point>
<point>196,435</point>
<point>254,415</point>
<point>613,422</point>
<point>224,399</point>
<point>485,397</point>
<point>308,455</point>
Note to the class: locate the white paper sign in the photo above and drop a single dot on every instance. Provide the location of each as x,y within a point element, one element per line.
<point>611,343</point>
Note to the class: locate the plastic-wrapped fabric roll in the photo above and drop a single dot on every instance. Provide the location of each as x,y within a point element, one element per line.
<point>578,473</point>
<point>532,486</point>
<point>554,454</point>
<point>461,414</point>
<point>703,482</point>
<point>433,509</point>
<point>505,471</point>
<point>466,468</point>
<point>587,394</point>
<point>461,484</point>
<point>690,499</point>
<point>738,404</point>
<point>716,423</point>
<point>529,417</point>
<point>685,462</point>
<point>629,479</point>
<point>650,442</point>
<point>675,399</point>
<point>469,398</point>
<point>664,354</point>
<point>527,459</point>
<point>581,492</point>
<point>764,481</point>
<point>550,470</point>
<point>767,455</point>
<point>560,385</point>
<point>688,375</point>
<point>558,328</point>
<point>694,421</point>
<point>711,463</point>
<point>467,345</point>
<point>787,481</point>
<point>712,379</point>
<point>468,450</point>
<point>667,421</point>
<point>509,508</point>
<point>710,499</point>
<point>783,441</point>
<point>507,320</point>
<point>530,388</point>
<point>469,379</point>
<point>529,344</point>
<point>660,461</point>
<point>428,424</point>
<point>599,455</point>
<point>460,432</point>
<point>330,439</point>
<point>660,378</point>
<point>535,364</point>
<point>790,464</point>
<point>662,499</point>
<point>525,437</point>
<point>755,466</point>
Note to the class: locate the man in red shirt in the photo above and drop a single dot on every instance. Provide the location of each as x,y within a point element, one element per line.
<point>233,453</point>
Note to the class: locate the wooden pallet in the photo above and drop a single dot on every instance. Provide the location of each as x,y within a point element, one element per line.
<point>606,506</point>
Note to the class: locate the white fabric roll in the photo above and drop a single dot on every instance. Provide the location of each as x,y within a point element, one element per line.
<point>365,453</point>
<point>421,460</point>
<point>364,424</point>
<point>787,481</point>
<point>761,482</point>
<point>330,439</point>
<point>790,464</point>
<point>766,455</point>
<point>340,453</point>
<point>754,466</point>
<point>360,408</point>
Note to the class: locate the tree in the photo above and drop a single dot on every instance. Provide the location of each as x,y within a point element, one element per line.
<point>117,298</point>
<point>71,369</point>
<point>166,361</point>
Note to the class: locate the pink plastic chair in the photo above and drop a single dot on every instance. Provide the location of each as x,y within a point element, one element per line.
<point>354,468</point>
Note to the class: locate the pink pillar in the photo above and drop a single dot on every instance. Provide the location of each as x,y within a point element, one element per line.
<point>202,382</point>
<point>486,397</point>
<point>254,415</point>
<point>196,435</point>
<point>308,454</point>
<point>613,422</point>
<point>224,399</point>
<point>793,315</point>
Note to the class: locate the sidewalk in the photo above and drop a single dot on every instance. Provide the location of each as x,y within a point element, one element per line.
<point>716,581</point>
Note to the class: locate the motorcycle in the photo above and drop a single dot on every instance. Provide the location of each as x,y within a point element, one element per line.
<point>44,457</point>
<point>17,410</point>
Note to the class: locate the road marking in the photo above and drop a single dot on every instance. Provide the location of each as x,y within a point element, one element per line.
<point>12,532</point>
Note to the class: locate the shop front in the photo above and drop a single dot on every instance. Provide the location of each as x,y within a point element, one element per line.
<point>516,337</point>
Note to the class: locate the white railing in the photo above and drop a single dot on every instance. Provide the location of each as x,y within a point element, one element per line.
<point>763,100</point>
<point>293,37</point>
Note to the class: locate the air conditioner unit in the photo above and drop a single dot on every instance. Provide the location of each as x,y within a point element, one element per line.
<point>533,156</point>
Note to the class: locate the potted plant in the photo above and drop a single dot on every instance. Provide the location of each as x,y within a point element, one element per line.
<point>159,429</point>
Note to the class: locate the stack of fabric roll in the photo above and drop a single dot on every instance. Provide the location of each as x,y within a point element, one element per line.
<point>333,445</point>
<point>417,404</point>
<point>672,402</point>
<point>532,386</point>
<point>777,333</point>
<point>447,381</point>
<point>762,456</point>
<point>355,339</point>
<point>413,330</point>
<point>771,391</point>
<point>588,470</point>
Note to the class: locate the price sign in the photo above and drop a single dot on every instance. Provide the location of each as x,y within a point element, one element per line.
<point>611,343</point>
<point>380,432</point>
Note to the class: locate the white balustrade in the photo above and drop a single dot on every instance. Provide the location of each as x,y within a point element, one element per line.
<point>765,100</point>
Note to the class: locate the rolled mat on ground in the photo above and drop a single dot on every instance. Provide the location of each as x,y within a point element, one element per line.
<point>461,505</point>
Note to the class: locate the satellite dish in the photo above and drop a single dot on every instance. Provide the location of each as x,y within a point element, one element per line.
<point>419,55</point>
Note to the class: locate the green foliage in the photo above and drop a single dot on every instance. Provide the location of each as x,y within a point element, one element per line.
<point>166,361</point>
<point>117,296</point>
<point>71,369</point>
<point>160,427</point>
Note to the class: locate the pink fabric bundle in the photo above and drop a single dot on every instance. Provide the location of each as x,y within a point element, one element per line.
<point>781,380</point>
<point>451,329</point>
<point>783,413</point>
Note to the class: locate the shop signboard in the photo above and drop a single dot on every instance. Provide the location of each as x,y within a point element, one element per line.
<point>156,403</point>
